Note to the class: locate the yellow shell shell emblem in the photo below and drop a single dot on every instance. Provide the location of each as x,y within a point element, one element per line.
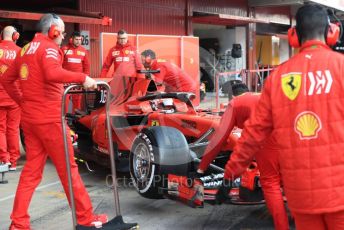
<point>23,50</point>
<point>126,52</point>
<point>1,53</point>
<point>291,85</point>
<point>307,125</point>
<point>24,72</point>
<point>3,69</point>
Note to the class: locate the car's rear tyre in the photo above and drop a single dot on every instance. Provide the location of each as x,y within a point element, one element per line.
<point>156,152</point>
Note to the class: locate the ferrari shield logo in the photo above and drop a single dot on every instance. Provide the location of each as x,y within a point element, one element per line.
<point>291,85</point>
<point>155,123</point>
<point>23,50</point>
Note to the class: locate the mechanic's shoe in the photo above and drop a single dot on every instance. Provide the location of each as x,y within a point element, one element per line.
<point>12,169</point>
<point>98,220</point>
<point>12,227</point>
<point>7,163</point>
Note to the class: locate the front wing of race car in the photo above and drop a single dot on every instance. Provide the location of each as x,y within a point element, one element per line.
<point>195,191</point>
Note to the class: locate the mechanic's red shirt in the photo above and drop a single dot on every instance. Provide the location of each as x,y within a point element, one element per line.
<point>76,59</point>
<point>125,59</point>
<point>238,111</point>
<point>8,52</point>
<point>39,68</point>
<point>302,107</point>
<point>175,79</point>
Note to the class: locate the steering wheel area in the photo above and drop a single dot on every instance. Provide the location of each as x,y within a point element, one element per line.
<point>163,105</point>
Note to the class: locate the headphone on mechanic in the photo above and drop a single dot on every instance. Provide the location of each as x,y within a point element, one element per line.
<point>332,34</point>
<point>53,31</point>
<point>15,35</point>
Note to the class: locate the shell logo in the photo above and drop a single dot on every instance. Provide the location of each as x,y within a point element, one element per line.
<point>126,52</point>
<point>24,72</point>
<point>3,69</point>
<point>307,125</point>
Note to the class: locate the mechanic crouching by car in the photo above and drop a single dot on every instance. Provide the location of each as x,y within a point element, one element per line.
<point>124,56</point>
<point>301,106</point>
<point>9,109</point>
<point>75,59</point>
<point>39,69</point>
<point>238,111</point>
<point>174,79</point>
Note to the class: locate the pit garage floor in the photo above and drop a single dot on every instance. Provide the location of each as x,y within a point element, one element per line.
<point>49,209</point>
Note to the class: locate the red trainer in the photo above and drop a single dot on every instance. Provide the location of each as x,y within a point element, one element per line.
<point>98,220</point>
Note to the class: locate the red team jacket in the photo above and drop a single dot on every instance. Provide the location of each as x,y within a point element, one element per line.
<point>238,111</point>
<point>39,68</point>
<point>125,59</point>
<point>302,107</point>
<point>173,77</point>
<point>8,52</point>
<point>76,59</point>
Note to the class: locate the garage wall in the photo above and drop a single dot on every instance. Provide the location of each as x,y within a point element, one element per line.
<point>137,17</point>
<point>167,17</point>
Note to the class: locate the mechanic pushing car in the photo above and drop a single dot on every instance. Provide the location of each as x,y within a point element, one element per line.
<point>39,68</point>
<point>301,107</point>
<point>9,110</point>
<point>124,56</point>
<point>174,79</point>
<point>238,111</point>
<point>76,59</point>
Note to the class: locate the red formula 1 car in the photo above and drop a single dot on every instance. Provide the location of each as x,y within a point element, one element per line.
<point>159,137</point>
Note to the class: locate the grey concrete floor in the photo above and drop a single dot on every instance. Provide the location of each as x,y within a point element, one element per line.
<point>49,208</point>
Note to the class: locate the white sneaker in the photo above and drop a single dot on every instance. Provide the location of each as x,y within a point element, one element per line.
<point>12,169</point>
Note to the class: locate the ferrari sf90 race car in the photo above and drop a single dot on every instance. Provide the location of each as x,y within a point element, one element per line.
<point>159,138</point>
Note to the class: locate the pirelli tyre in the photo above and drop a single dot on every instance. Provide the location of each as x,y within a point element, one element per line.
<point>156,152</point>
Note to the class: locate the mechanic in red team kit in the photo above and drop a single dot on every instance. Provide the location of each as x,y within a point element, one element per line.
<point>9,110</point>
<point>174,79</point>
<point>124,56</point>
<point>238,111</point>
<point>39,69</point>
<point>301,107</point>
<point>75,59</point>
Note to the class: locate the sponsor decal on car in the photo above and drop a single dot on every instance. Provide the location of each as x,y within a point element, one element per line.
<point>189,124</point>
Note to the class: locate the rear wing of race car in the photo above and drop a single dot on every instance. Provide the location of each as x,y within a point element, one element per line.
<point>148,73</point>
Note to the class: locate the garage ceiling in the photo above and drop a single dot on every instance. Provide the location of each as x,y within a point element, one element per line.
<point>224,19</point>
<point>335,4</point>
